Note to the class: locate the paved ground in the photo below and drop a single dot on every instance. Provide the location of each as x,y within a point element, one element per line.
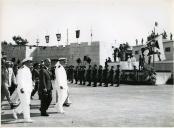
<point>101,106</point>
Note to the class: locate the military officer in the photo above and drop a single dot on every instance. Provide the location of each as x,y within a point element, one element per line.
<point>117,75</point>
<point>24,88</point>
<point>94,75</point>
<point>105,76</point>
<point>111,75</point>
<point>88,75</point>
<point>71,73</point>
<point>61,86</point>
<point>83,74</point>
<point>76,74</point>
<point>100,75</point>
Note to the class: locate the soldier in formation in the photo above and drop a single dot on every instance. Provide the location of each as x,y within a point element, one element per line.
<point>95,75</point>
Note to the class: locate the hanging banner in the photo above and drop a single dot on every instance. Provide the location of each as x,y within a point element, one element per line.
<point>77,33</point>
<point>58,36</point>
<point>47,38</point>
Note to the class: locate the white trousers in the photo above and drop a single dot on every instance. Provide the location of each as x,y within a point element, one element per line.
<point>24,106</point>
<point>15,97</point>
<point>62,95</point>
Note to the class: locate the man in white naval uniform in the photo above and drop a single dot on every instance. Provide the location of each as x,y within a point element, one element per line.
<point>24,89</point>
<point>61,86</point>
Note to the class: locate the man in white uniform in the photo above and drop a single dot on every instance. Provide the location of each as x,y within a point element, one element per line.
<point>24,88</point>
<point>61,86</point>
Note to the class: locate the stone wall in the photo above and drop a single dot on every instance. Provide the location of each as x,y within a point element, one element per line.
<point>71,52</point>
<point>14,51</point>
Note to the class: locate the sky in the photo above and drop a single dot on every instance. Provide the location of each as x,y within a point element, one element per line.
<point>111,21</point>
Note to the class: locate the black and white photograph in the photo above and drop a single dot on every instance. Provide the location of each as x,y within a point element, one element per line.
<point>87,63</point>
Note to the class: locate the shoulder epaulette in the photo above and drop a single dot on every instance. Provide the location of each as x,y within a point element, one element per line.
<point>21,67</point>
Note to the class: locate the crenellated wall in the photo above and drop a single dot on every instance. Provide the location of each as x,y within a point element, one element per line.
<point>71,52</point>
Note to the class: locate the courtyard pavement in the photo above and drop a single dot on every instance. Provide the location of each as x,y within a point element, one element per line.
<point>127,105</point>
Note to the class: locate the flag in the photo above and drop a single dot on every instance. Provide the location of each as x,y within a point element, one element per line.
<point>77,33</point>
<point>156,23</point>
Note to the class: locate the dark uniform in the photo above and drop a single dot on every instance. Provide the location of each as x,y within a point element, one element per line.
<point>76,75</point>
<point>117,75</point>
<point>71,73</point>
<point>67,68</point>
<point>80,74</point>
<point>83,75</point>
<point>94,75</point>
<point>105,76</point>
<point>88,75</point>
<point>111,76</point>
<point>100,75</point>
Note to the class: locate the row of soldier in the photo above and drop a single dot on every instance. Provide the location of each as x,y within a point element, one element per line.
<point>97,75</point>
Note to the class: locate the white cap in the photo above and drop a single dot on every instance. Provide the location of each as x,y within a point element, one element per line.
<point>27,59</point>
<point>57,64</point>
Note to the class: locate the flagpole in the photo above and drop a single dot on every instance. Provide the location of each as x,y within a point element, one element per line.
<point>67,36</point>
<point>91,35</point>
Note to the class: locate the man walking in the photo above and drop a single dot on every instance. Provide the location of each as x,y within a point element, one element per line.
<point>61,86</point>
<point>45,87</point>
<point>5,82</point>
<point>24,88</point>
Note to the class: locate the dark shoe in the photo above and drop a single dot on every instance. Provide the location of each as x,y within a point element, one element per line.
<point>106,86</point>
<point>66,104</point>
<point>44,114</point>
<point>94,86</point>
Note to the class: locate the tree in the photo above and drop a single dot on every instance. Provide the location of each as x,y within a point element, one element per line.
<point>4,42</point>
<point>19,40</point>
<point>88,60</point>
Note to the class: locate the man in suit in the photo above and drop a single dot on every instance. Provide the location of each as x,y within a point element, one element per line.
<point>45,87</point>
<point>35,78</point>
